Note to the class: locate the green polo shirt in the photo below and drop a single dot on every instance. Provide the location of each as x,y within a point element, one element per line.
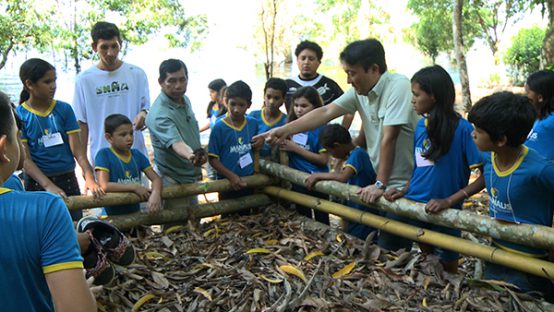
<point>170,122</point>
<point>387,104</point>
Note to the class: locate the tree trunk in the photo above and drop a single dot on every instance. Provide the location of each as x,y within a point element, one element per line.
<point>460,53</point>
<point>176,191</point>
<point>124,222</point>
<point>547,54</point>
<point>530,235</point>
<point>5,54</point>
<point>530,265</point>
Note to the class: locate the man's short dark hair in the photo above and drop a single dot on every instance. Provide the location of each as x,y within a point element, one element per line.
<point>105,31</point>
<point>171,66</point>
<point>504,114</point>
<point>334,133</point>
<point>112,122</point>
<point>310,46</point>
<point>241,90</point>
<point>365,53</point>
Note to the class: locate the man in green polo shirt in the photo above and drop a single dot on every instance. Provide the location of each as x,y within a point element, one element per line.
<point>383,100</point>
<point>174,130</point>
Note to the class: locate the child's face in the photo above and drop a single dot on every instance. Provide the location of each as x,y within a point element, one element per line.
<point>273,98</point>
<point>214,95</point>
<point>307,63</point>
<point>44,88</point>
<point>122,138</point>
<point>482,140</point>
<point>302,106</point>
<point>533,96</point>
<point>422,101</point>
<point>338,150</point>
<point>237,108</point>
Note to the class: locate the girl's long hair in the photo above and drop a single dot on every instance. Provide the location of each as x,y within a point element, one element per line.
<point>310,94</point>
<point>442,120</point>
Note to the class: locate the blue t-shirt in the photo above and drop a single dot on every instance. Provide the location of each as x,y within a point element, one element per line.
<point>308,140</point>
<point>37,238</point>
<point>448,174</point>
<point>215,117</point>
<point>264,126</point>
<point>58,120</point>
<point>14,183</point>
<point>123,171</point>
<point>541,138</point>
<point>230,143</point>
<point>523,193</point>
<point>359,161</point>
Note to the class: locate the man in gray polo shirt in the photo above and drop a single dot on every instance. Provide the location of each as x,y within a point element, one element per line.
<point>174,130</point>
<point>383,100</point>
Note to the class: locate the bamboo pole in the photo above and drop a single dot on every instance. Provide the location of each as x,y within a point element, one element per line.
<point>530,235</point>
<point>199,211</point>
<point>491,254</point>
<point>176,191</point>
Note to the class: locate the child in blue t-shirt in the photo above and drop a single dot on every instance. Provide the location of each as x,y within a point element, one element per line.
<point>216,108</point>
<point>357,170</point>
<point>40,256</point>
<point>51,136</point>
<point>119,167</point>
<point>270,116</point>
<point>444,155</point>
<point>519,181</point>
<point>540,91</point>
<point>230,149</point>
<point>304,149</point>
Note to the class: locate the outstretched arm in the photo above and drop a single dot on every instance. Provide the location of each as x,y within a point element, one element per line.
<point>79,299</point>
<point>340,176</point>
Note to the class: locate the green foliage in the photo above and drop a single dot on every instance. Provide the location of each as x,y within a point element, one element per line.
<point>433,31</point>
<point>23,25</point>
<point>523,56</point>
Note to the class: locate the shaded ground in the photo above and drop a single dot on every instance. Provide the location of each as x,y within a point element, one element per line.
<point>278,261</point>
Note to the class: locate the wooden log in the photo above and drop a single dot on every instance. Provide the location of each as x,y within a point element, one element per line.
<point>176,191</point>
<point>526,234</point>
<point>125,222</point>
<point>519,262</point>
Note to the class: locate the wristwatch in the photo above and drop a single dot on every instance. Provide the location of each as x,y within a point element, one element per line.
<point>380,185</point>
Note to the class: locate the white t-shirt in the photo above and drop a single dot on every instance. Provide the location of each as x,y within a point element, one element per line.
<point>100,93</point>
<point>387,104</point>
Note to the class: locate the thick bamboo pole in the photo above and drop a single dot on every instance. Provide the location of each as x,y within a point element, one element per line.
<point>491,254</point>
<point>526,234</point>
<point>176,215</point>
<point>176,191</point>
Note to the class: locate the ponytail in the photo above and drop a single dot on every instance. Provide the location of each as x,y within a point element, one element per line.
<point>24,96</point>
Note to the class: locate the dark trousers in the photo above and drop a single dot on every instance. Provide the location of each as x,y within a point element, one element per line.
<point>67,182</point>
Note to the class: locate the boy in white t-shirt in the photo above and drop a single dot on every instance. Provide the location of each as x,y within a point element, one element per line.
<point>110,87</point>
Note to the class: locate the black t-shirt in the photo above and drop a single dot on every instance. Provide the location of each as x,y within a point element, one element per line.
<point>327,88</point>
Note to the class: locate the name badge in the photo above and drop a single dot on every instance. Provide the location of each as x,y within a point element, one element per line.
<point>245,160</point>
<point>300,138</point>
<point>421,161</point>
<point>52,139</point>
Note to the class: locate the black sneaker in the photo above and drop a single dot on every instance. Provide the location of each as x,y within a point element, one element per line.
<point>117,247</point>
<point>96,263</point>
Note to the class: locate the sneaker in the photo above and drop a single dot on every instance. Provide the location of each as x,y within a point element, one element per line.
<point>117,247</point>
<point>96,263</point>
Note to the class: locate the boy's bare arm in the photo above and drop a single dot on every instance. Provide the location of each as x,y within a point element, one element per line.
<point>340,176</point>
<point>235,180</point>
<point>155,199</point>
<point>79,299</point>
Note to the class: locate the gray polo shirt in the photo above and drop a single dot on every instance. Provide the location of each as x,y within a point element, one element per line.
<point>387,104</point>
<point>170,122</point>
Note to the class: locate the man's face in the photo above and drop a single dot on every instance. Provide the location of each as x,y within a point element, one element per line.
<point>108,50</point>
<point>361,80</point>
<point>308,63</point>
<point>175,85</point>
